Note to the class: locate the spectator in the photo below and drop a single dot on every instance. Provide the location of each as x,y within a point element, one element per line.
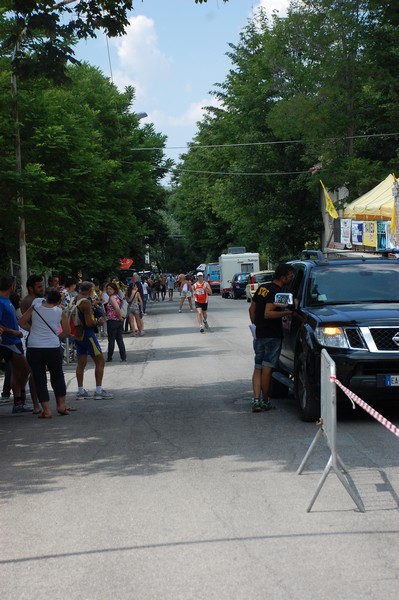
<point>135,303</point>
<point>43,352</point>
<point>69,290</point>
<point>267,318</point>
<point>11,349</point>
<point>186,292</point>
<point>114,323</point>
<point>87,344</point>
<point>170,282</point>
<point>54,280</point>
<point>145,296</point>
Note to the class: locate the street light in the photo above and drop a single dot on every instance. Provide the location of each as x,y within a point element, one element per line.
<point>141,115</point>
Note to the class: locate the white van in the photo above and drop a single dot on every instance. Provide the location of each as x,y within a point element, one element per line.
<point>230,264</point>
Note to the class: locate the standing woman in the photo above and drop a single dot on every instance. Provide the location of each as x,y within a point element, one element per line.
<point>114,322</point>
<point>135,305</point>
<point>186,292</point>
<point>44,351</point>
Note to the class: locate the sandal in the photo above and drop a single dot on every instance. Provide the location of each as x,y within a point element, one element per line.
<point>36,412</point>
<point>63,413</point>
<point>45,416</point>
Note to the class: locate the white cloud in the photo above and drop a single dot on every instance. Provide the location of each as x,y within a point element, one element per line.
<point>191,115</point>
<point>270,5</point>
<point>140,61</point>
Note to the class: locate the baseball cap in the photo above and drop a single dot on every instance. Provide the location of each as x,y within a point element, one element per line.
<point>199,273</point>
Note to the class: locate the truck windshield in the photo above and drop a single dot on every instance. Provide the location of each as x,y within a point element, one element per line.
<point>353,283</point>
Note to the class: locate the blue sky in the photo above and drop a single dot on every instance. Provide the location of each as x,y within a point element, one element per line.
<point>173,53</point>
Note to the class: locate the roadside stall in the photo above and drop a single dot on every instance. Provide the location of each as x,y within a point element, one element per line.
<point>371,221</point>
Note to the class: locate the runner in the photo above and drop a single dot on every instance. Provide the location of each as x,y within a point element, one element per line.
<point>202,290</point>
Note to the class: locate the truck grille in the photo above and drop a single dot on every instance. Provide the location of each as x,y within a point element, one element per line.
<point>354,338</point>
<point>382,337</point>
<point>373,339</point>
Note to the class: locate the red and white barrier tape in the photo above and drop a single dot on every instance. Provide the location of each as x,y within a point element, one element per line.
<point>376,415</point>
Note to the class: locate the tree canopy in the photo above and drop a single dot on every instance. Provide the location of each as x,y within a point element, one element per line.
<point>314,92</point>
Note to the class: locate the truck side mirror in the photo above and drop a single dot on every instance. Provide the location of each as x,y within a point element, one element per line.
<point>285,300</point>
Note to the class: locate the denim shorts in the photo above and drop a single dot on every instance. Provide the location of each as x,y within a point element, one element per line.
<point>267,351</point>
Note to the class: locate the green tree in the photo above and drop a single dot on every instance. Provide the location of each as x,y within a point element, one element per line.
<point>316,88</point>
<point>85,187</point>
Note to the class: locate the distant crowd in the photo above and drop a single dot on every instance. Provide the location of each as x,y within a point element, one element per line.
<point>34,330</point>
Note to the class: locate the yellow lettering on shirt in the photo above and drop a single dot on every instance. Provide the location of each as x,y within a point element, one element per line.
<point>263,291</point>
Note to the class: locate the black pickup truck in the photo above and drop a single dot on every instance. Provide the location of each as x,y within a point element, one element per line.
<point>350,307</point>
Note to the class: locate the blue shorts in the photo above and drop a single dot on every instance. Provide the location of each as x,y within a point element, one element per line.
<point>89,345</point>
<point>267,351</point>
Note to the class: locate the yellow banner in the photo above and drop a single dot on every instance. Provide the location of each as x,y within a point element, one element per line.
<point>370,233</point>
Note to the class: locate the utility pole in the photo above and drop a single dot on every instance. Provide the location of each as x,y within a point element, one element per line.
<point>18,162</point>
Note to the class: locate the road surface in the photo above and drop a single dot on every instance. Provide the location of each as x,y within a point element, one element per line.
<point>174,490</point>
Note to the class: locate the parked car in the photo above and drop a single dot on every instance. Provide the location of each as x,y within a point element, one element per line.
<point>238,285</point>
<point>350,308</point>
<point>254,280</point>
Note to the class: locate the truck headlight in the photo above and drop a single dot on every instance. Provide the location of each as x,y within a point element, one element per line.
<point>331,337</point>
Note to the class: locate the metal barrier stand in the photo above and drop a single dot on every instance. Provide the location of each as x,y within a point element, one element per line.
<point>328,428</point>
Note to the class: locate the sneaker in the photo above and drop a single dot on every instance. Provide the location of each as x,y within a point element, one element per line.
<point>5,400</point>
<point>84,394</point>
<point>267,405</point>
<point>206,324</point>
<point>103,395</point>
<point>257,405</point>
<point>202,330</point>
<point>179,311</point>
<point>20,408</point>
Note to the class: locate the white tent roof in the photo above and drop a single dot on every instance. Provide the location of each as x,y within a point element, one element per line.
<point>377,203</point>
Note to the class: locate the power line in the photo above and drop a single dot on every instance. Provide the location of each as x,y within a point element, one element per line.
<point>192,146</point>
<point>243,173</point>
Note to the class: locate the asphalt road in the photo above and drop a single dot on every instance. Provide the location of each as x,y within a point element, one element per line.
<point>174,490</point>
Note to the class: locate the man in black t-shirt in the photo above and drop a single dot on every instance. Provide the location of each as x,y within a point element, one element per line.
<point>267,318</point>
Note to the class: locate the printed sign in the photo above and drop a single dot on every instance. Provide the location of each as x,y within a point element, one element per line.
<point>370,233</point>
<point>357,233</point>
<point>382,235</point>
<point>346,231</point>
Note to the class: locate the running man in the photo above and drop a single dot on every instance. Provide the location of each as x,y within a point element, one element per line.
<point>201,290</point>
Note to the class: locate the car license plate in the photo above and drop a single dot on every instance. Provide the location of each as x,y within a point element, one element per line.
<point>391,380</point>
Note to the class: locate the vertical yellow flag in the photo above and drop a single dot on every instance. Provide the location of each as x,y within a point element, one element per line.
<point>330,208</point>
<point>393,219</point>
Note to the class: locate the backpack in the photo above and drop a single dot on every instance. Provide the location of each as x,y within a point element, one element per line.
<point>124,307</point>
<point>74,317</point>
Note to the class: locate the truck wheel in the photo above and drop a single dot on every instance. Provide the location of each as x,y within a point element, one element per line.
<point>309,405</point>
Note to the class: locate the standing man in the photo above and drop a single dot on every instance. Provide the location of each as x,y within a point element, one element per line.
<point>11,349</point>
<point>267,318</point>
<point>87,343</point>
<point>35,287</point>
<point>201,291</point>
<point>170,280</point>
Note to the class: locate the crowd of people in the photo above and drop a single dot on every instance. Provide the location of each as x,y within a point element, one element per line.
<point>33,330</point>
